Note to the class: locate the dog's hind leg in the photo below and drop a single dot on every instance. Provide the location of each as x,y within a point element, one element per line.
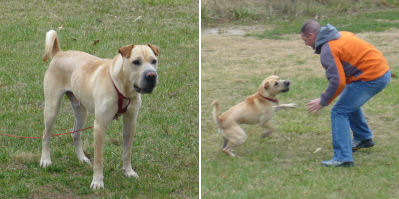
<point>51,108</point>
<point>80,113</point>
<point>227,147</point>
<point>235,136</point>
<point>225,140</point>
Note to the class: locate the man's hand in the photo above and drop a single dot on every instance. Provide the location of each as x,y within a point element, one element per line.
<point>314,105</point>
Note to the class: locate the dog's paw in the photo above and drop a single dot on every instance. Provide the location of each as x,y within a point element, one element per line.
<point>130,173</point>
<point>292,105</point>
<point>229,153</point>
<point>85,160</point>
<point>45,162</point>
<point>97,184</point>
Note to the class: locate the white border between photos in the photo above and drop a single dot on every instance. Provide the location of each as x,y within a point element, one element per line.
<point>199,96</point>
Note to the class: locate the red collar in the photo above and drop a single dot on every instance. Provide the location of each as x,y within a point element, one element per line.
<point>266,98</point>
<point>121,110</point>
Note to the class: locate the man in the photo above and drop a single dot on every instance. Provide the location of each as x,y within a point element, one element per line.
<point>356,71</point>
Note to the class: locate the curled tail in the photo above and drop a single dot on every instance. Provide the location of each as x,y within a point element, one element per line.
<point>52,45</point>
<point>215,111</point>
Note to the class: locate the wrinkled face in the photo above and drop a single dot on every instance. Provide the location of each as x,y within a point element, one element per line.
<point>309,39</point>
<point>273,85</point>
<point>140,67</point>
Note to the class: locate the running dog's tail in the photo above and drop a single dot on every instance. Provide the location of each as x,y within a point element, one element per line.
<point>52,45</point>
<point>215,112</point>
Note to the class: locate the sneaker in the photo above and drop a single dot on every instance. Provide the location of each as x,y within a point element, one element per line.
<point>358,144</point>
<point>335,163</point>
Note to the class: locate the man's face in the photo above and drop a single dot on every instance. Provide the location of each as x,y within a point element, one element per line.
<point>309,39</point>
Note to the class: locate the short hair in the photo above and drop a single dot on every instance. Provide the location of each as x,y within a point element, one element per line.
<point>311,26</point>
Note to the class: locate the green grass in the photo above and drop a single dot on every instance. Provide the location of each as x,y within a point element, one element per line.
<point>285,165</point>
<point>375,21</point>
<point>165,147</point>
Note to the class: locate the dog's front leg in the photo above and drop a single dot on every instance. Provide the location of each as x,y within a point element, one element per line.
<point>129,128</point>
<point>268,127</point>
<point>99,134</point>
<point>284,106</point>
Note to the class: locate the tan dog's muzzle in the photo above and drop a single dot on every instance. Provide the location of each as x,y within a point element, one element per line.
<point>148,82</point>
<point>286,84</point>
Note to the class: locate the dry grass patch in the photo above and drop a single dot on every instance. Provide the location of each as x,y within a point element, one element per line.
<point>25,156</point>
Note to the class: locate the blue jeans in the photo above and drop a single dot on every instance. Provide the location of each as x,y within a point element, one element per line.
<point>346,114</point>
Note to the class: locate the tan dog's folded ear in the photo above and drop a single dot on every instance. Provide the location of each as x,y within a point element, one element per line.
<point>125,51</point>
<point>266,86</point>
<point>155,49</point>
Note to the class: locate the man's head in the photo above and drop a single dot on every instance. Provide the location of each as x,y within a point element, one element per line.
<point>309,32</point>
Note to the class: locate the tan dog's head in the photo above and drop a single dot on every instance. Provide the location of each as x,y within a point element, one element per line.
<point>273,85</point>
<point>137,67</point>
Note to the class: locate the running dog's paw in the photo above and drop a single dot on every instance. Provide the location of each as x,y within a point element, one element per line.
<point>229,153</point>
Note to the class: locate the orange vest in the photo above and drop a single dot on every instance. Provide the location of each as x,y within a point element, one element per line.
<point>354,59</point>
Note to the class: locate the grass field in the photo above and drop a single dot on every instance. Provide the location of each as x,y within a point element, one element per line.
<point>165,147</point>
<point>216,12</point>
<point>287,163</point>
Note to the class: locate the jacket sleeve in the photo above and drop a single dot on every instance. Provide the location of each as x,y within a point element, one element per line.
<point>335,75</point>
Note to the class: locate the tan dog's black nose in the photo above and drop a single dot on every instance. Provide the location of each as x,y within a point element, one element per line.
<point>149,81</point>
<point>150,76</point>
<point>286,83</point>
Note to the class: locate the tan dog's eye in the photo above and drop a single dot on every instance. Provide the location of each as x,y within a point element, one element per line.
<point>154,61</point>
<point>137,62</point>
<point>275,84</point>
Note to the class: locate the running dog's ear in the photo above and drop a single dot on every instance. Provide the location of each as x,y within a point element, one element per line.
<point>154,49</point>
<point>126,51</point>
<point>276,72</point>
<point>266,86</point>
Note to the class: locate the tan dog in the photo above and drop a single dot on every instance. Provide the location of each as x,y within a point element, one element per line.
<point>256,109</point>
<point>105,87</point>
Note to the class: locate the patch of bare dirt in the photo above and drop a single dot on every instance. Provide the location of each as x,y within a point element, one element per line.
<point>235,30</point>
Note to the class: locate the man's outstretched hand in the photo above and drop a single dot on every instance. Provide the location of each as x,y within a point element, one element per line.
<point>314,106</point>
